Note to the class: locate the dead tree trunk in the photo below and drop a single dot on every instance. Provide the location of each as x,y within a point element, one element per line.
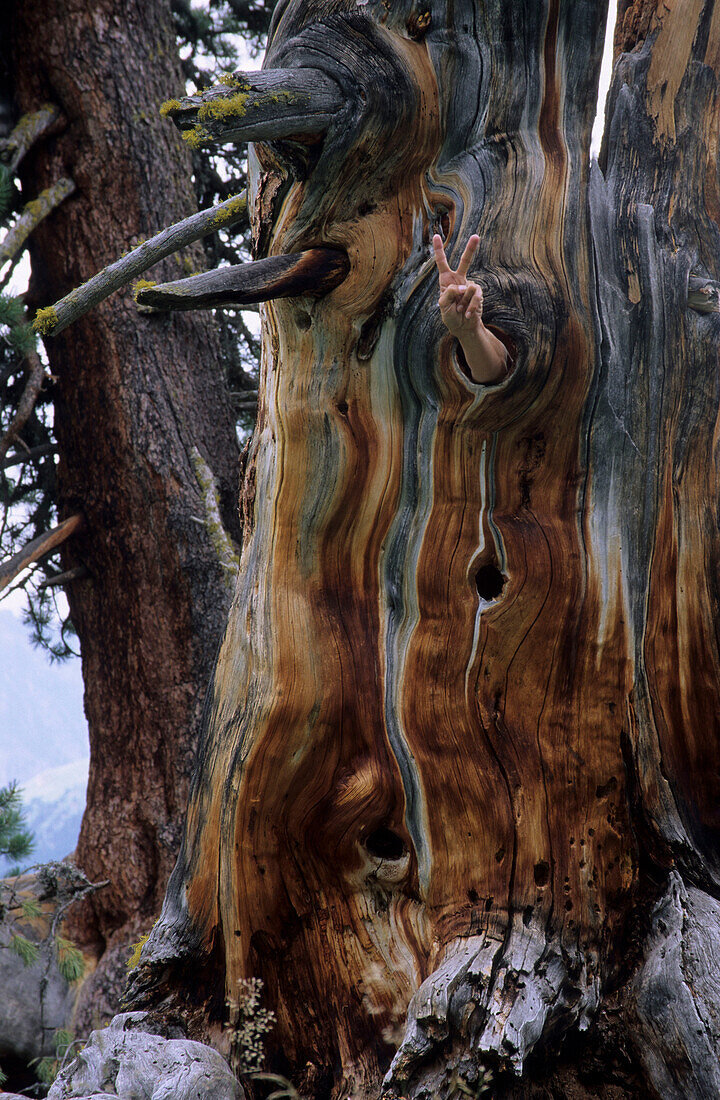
<point>461,748</point>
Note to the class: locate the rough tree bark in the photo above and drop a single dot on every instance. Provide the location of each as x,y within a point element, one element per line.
<point>142,422</point>
<point>458,791</point>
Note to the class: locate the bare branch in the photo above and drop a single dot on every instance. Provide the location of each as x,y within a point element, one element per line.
<point>26,133</point>
<point>32,215</point>
<point>28,455</point>
<point>314,272</point>
<point>258,106</point>
<point>55,318</point>
<point>39,548</point>
<point>34,370</point>
<point>61,579</point>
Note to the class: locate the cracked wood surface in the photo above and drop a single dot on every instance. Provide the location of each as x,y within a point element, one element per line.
<point>467,691</point>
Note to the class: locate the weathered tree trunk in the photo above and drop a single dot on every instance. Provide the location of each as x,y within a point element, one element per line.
<point>142,423</point>
<point>458,786</point>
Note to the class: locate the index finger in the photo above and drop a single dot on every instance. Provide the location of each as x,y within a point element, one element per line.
<point>468,255</point>
<point>440,257</point>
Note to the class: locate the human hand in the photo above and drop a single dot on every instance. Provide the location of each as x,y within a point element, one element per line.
<point>461,300</point>
<point>461,308</point>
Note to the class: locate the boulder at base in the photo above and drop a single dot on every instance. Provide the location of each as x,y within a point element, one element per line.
<point>125,1062</point>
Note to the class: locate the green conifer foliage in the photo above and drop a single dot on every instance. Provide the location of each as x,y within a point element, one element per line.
<point>16,840</point>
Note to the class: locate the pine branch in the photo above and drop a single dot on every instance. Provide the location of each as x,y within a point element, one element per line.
<point>74,305</point>
<point>39,548</point>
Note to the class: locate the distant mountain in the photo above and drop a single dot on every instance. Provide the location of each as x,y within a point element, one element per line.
<point>42,725</point>
<point>54,802</point>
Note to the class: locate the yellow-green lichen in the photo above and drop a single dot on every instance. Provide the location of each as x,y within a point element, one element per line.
<point>197,137</point>
<point>237,205</point>
<point>142,284</point>
<point>45,320</point>
<point>224,107</point>
<point>137,948</point>
<point>230,80</point>
<point>222,543</point>
<point>169,106</point>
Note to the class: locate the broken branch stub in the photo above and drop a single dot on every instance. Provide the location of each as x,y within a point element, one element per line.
<point>263,106</point>
<point>314,272</point>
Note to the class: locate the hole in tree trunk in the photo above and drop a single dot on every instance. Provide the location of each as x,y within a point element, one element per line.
<point>383,843</point>
<point>489,582</point>
<point>542,873</point>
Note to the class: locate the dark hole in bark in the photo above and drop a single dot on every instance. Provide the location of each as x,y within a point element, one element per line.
<point>527,915</point>
<point>606,788</point>
<point>473,897</point>
<point>489,581</point>
<point>489,904</point>
<point>304,321</point>
<point>383,843</point>
<point>370,333</point>
<point>542,873</point>
<point>342,407</point>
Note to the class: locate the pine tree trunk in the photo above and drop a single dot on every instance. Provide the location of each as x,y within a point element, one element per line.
<point>142,419</point>
<point>457,794</point>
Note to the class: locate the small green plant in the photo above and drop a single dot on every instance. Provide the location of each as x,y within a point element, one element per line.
<point>47,1069</point>
<point>69,960</point>
<point>285,1091</point>
<point>24,948</point>
<point>247,1025</point>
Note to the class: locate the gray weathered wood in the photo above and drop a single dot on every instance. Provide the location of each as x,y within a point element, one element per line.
<point>314,272</point>
<point>263,106</point>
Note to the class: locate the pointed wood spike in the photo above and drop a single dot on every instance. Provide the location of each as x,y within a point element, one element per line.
<point>314,272</point>
<point>258,106</point>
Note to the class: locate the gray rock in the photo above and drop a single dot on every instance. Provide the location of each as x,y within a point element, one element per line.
<point>121,1061</point>
<point>35,1000</point>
